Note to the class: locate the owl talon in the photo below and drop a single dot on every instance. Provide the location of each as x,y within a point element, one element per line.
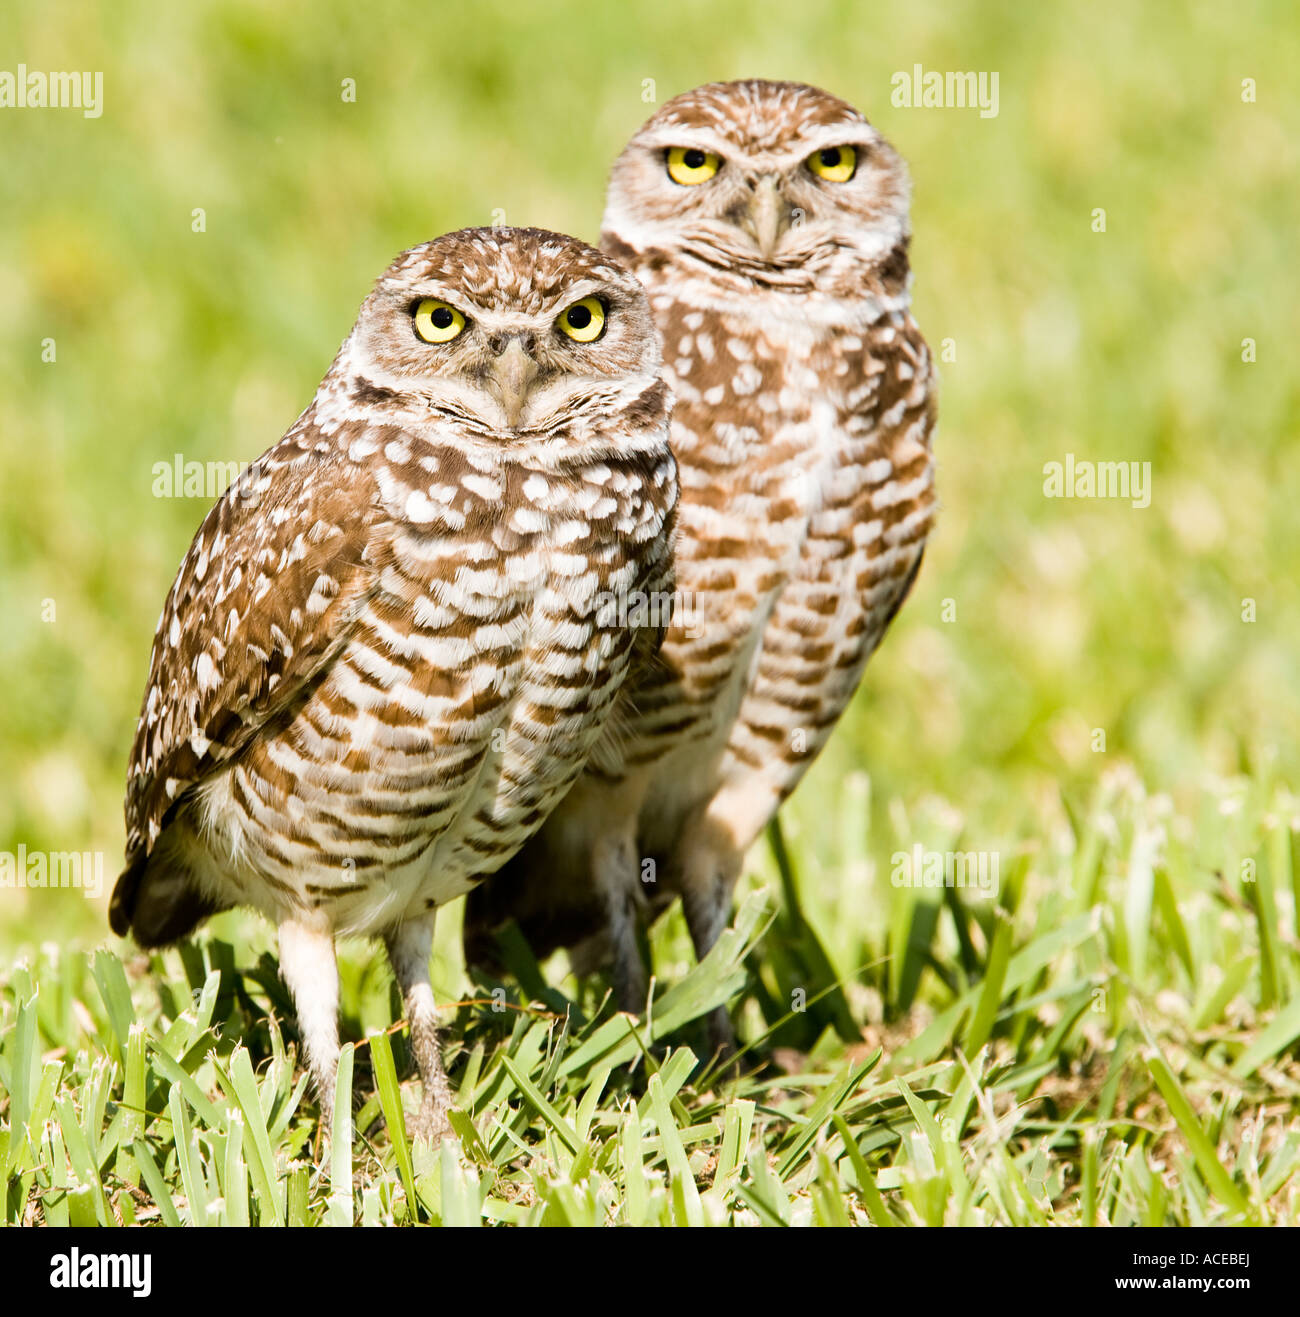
<point>431,1124</point>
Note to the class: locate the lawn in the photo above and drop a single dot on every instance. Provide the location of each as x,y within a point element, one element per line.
<point>1098,696</point>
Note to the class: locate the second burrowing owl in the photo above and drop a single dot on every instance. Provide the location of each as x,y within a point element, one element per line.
<point>386,655</point>
<point>769,223</point>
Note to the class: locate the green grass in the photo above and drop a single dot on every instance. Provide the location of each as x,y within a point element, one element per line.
<point>1106,698</point>
<point>1094,1056</point>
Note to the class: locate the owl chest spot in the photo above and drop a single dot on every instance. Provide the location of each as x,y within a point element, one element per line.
<point>747,526</point>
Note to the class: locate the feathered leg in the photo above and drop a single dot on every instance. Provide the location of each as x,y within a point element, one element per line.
<point>310,968</point>
<point>409,948</point>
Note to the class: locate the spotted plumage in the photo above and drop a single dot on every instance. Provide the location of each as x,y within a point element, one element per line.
<point>805,402</point>
<point>388,652</point>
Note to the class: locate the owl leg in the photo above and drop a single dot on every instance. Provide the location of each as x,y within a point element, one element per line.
<point>616,872</point>
<point>709,867</point>
<point>310,968</point>
<point>409,947</point>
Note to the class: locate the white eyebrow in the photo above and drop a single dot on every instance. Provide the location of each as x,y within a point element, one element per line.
<point>814,138</point>
<point>503,317</point>
<point>575,292</point>
<point>840,134</point>
<point>701,139</point>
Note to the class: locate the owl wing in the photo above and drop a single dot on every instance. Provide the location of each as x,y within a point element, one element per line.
<point>264,601</point>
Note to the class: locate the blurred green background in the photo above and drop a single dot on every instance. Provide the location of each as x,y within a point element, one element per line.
<point>1125,345</point>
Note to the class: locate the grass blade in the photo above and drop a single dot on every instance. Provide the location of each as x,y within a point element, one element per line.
<point>390,1100</point>
<point>339,1212</point>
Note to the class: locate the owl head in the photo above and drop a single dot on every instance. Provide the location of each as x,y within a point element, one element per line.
<point>508,333</point>
<point>772,183</point>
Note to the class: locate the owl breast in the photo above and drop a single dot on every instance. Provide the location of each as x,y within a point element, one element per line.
<point>806,487</point>
<point>477,678</point>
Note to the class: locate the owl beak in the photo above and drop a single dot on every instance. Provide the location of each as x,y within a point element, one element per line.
<point>512,375</point>
<point>769,216</point>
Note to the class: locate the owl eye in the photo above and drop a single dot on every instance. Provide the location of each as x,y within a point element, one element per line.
<point>690,166</point>
<point>836,164</point>
<point>584,321</point>
<point>436,322</point>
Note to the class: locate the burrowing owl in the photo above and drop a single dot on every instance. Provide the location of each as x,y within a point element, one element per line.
<point>385,656</point>
<point>769,223</point>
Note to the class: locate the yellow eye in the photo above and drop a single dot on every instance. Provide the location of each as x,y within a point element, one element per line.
<point>688,165</point>
<point>436,322</point>
<point>836,164</point>
<point>584,321</point>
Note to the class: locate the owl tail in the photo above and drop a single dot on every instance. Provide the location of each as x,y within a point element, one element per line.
<point>157,899</point>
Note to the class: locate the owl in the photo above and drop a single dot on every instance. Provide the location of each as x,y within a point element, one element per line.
<point>769,223</point>
<point>390,649</point>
